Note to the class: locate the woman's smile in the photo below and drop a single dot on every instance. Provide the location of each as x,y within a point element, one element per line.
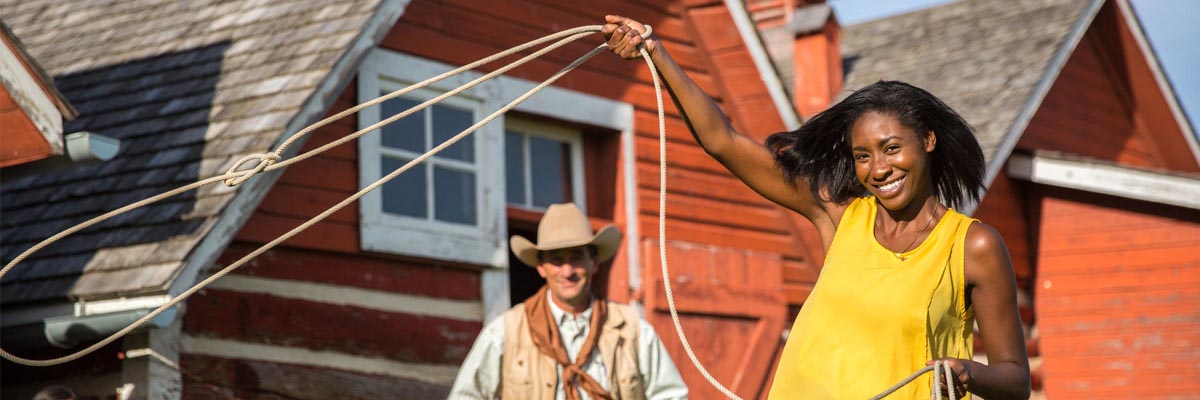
<point>889,189</point>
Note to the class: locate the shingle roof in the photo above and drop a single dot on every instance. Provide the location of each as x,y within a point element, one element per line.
<point>984,58</point>
<point>188,87</point>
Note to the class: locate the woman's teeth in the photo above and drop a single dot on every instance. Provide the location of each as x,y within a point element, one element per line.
<point>892,186</point>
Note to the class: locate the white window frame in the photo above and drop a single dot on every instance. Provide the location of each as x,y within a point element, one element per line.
<point>426,237</point>
<point>552,102</point>
<point>430,222</point>
<point>574,140</point>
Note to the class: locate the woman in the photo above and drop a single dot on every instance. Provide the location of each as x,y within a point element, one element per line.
<point>905,276</point>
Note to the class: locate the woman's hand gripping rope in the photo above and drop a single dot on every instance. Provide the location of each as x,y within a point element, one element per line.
<point>945,383</point>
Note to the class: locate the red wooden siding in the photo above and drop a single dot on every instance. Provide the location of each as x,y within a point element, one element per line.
<point>391,274</point>
<point>459,32</point>
<point>1152,114</point>
<point>751,244</point>
<point>1117,297</point>
<point>1005,208</point>
<point>262,318</point>
<point>266,319</point>
<point>742,289</point>
<point>1105,105</point>
<point>1086,113</point>
<point>222,378</point>
<point>309,187</point>
<point>22,142</point>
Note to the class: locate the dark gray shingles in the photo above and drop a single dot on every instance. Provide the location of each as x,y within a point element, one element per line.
<point>188,87</point>
<point>984,58</point>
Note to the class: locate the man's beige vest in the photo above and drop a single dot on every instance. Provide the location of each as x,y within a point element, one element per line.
<point>526,373</point>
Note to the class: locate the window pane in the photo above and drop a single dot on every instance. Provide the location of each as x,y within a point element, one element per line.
<point>407,133</point>
<point>454,196</point>
<point>550,171</point>
<point>447,122</point>
<point>514,167</point>
<point>404,195</point>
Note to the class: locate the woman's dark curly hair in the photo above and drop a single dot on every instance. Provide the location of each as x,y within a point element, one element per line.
<point>820,149</point>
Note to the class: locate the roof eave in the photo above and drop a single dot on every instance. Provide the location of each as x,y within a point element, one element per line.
<point>44,80</point>
<point>239,210</point>
<point>762,61</point>
<point>1139,35</point>
<point>999,158</point>
<point>1107,178</point>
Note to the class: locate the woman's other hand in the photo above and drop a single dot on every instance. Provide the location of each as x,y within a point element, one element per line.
<point>962,376</point>
<point>624,35</point>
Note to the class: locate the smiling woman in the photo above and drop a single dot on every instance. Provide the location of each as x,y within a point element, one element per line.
<point>905,276</point>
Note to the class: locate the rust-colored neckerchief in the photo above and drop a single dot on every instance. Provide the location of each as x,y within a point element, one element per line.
<point>544,330</point>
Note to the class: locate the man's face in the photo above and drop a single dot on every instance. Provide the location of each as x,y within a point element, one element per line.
<point>568,273</point>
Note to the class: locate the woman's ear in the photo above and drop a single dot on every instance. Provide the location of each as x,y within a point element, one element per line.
<point>930,141</point>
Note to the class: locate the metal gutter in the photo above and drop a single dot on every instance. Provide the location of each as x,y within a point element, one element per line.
<point>745,26</point>
<point>67,324</point>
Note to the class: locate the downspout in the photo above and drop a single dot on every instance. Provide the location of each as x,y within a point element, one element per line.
<point>80,148</point>
<point>745,27</point>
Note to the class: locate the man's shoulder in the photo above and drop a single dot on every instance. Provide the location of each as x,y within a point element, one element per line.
<point>518,309</point>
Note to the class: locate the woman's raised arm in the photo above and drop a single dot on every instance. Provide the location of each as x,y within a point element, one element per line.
<point>750,161</point>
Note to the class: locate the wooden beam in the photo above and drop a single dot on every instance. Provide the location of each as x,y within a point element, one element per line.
<point>1107,179</point>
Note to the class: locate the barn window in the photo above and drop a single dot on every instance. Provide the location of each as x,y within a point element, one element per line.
<point>462,204</point>
<point>443,188</point>
<point>446,207</point>
<point>543,164</point>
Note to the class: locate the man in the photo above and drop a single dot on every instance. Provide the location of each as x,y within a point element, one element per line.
<point>564,343</point>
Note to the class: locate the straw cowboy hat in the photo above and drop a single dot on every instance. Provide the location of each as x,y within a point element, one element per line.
<point>563,226</point>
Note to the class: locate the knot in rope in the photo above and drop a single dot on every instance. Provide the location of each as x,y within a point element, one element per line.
<point>238,177</point>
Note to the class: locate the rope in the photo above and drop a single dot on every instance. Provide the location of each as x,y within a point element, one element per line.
<point>662,226</point>
<point>941,371</point>
<point>265,162</point>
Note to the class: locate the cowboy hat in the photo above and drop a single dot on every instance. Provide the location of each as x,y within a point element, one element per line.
<point>564,226</point>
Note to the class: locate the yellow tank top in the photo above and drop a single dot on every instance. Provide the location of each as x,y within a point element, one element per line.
<point>873,319</point>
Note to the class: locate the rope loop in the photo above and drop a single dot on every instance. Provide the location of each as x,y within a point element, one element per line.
<point>263,160</point>
<point>646,35</point>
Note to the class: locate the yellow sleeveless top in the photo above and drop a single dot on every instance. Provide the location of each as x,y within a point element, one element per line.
<point>873,319</point>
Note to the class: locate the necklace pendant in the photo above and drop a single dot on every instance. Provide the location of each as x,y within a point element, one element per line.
<point>899,257</point>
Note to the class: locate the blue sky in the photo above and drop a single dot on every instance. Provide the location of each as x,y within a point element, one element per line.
<point>1171,26</point>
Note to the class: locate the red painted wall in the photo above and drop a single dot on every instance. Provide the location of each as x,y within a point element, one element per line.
<point>1107,105</point>
<point>1118,298</point>
<point>708,206</point>
<point>21,141</point>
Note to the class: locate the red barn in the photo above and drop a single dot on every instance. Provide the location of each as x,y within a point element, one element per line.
<point>1093,179</point>
<point>384,298</point>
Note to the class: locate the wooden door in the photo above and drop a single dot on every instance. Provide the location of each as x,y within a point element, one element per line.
<point>731,307</point>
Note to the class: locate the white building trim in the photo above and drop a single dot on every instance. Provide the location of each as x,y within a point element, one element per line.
<point>762,61</point>
<point>1139,35</point>
<point>1107,179</point>
<point>225,348</point>
<point>23,87</point>
<point>464,310</point>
